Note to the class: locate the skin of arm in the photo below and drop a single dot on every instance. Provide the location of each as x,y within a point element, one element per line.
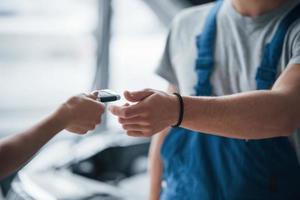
<point>155,163</point>
<point>79,114</point>
<point>256,8</point>
<point>248,115</point>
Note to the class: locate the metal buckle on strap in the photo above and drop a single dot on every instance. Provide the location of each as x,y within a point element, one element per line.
<point>203,89</point>
<point>263,85</point>
<point>266,74</point>
<point>204,63</point>
<point>198,41</point>
<point>203,75</point>
<point>265,78</point>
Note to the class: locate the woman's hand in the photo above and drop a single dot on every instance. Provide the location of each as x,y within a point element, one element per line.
<point>80,113</point>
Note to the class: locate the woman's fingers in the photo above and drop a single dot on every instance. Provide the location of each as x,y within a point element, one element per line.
<point>78,130</point>
<point>81,128</point>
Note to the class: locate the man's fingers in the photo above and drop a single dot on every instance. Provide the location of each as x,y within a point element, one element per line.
<point>125,111</point>
<point>137,95</point>
<point>134,127</point>
<point>135,133</point>
<point>133,120</point>
<point>115,110</point>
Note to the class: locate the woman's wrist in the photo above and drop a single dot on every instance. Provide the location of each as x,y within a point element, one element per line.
<point>61,116</point>
<point>50,126</point>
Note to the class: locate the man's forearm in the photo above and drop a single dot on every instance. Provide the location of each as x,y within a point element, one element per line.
<point>18,149</point>
<point>251,115</point>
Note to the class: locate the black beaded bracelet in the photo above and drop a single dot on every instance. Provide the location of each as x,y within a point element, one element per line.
<point>181,110</point>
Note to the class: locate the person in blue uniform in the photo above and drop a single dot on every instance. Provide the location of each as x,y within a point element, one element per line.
<point>79,114</point>
<point>230,130</point>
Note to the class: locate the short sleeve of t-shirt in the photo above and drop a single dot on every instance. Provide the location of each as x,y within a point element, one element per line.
<point>295,57</point>
<point>180,49</point>
<point>165,68</point>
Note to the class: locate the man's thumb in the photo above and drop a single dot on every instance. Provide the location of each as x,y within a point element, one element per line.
<point>137,95</point>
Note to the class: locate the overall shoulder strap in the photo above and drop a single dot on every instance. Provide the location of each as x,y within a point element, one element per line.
<point>267,71</point>
<point>205,52</point>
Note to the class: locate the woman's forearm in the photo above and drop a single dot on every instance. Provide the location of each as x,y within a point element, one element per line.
<point>252,115</point>
<point>15,151</point>
<point>79,114</point>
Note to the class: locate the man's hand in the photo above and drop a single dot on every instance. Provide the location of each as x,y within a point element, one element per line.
<point>154,111</point>
<point>81,113</point>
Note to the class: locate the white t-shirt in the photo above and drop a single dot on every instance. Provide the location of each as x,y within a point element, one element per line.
<point>238,50</point>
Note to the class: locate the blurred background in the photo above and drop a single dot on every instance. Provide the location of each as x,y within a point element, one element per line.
<point>50,50</point>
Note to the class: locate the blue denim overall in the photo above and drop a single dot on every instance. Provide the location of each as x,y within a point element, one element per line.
<point>202,166</point>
